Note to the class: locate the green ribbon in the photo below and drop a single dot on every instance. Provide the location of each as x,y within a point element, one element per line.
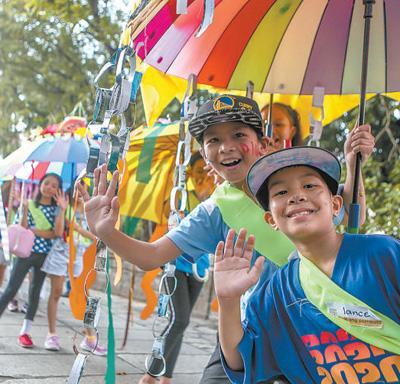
<point>239,211</point>
<point>39,217</point>
<point>109,377</point>
<point>321,290</point>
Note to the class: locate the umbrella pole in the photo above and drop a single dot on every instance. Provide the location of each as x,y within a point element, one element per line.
<point>268,127</point>
<point>354,209</point>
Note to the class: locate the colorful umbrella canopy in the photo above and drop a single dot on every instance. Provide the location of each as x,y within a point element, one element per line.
<point>33,171</point>
<point>62,149</point>
<point>283,46</point>
<point>65,149</point>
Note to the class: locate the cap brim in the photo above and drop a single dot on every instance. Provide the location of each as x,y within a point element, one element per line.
<point>317,158</point>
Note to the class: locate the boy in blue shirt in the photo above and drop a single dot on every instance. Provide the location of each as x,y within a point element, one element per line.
<point>330,316</point>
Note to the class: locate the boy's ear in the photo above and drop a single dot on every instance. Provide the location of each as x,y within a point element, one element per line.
<point>337,204</point>
<point>270,220</point>
<point>264,148</point>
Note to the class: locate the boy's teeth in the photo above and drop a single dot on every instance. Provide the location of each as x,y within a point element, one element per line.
<point>302,213</point>
<point>231,162</point>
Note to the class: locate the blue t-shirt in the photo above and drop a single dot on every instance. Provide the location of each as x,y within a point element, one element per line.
<point>202,230</point>
<point>284,334</point>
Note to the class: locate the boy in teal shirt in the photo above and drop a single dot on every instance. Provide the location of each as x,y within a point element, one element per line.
<point>332,315</point>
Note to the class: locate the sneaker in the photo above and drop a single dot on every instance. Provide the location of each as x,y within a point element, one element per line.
<point>89,346</point>
<point>13,305</point>
<point>24,308</point>
<point>52,343</point>
<point>25,341</point>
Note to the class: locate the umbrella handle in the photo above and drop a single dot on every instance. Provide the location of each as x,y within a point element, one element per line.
<point>354,209</point>
<point>353,223</point>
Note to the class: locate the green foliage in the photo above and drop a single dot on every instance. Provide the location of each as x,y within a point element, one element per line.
<point>382,171</point>
<point>50,53</point>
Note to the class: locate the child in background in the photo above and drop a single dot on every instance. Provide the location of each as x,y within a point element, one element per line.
<point>332,315</point>
<point>56,267</point>
<point>82,239</point>
<point>286,126</point>
<point>190,279</point>
<point>45,218</point>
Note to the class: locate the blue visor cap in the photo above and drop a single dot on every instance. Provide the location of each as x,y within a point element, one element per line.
<point>223,109</point>
<point>323,161</point>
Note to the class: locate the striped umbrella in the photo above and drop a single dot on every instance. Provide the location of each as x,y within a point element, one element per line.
<point>283,46</point>
<point>64,155</point>
<point>33,171</point>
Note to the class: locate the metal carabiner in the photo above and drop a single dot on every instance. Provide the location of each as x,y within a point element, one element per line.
<point>197,276</point>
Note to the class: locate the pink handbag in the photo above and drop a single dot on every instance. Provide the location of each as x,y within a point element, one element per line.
<point>20,240</point>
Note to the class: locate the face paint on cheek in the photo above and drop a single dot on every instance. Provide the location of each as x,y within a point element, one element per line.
<point>245,148</point>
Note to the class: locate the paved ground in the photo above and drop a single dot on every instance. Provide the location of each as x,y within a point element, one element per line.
<point>38,366</point>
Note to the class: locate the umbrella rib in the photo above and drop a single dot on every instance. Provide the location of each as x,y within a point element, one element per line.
<point>386,45</point>
<point>313,44</point>
<point>347,46</point>
<point>279,45</point>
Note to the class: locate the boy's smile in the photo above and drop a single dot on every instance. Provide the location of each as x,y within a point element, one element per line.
<point>232,148</point>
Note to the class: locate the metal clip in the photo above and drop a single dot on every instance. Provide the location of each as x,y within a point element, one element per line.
<point>101,260</point>
<point>162,306</point>
<point>92,312</point>
<point>169,269</point>
<point>77,369</point>
<point>93,161</point>
<point>156,354</point>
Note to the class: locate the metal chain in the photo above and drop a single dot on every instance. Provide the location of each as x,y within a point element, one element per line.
<point>112,148</point>
<point>178,200</point>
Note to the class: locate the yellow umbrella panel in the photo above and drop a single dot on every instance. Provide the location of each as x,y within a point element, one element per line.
<point>159,90</point>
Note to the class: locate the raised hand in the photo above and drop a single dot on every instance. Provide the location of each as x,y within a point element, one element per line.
<point>62,199</point>
<point>360,140</point>
<point>232,273</point>
<point>102,208</point>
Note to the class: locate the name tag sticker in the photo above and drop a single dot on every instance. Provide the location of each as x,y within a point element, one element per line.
<point>355,315</point>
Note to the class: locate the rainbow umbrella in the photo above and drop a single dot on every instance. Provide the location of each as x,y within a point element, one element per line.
<point>282,46</point>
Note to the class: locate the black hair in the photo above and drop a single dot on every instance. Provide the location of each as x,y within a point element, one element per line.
<point>294,118</point>
<point>39,195</point>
